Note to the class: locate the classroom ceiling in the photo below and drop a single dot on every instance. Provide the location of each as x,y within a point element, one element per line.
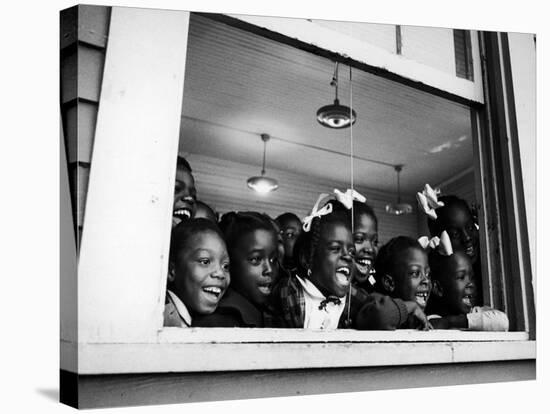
<point>239,85</point>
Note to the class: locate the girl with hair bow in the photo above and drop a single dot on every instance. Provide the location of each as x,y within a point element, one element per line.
<point>319,295</point>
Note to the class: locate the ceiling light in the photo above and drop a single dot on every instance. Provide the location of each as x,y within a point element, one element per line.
<point>262,184</point>
<point>398,208</point>
<point>336,116</point>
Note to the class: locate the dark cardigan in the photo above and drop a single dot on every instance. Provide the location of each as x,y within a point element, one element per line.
<point>235,311</point>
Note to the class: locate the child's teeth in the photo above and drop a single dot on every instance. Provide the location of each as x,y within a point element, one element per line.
<point>214,290</point>
<point>266,290</point>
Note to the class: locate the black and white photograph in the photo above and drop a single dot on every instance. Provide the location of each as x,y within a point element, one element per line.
<point>255,206</point>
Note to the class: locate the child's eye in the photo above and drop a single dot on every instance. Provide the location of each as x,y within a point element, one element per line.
<point>225,267</point>
<point>453,234</point>
<point>255,260</point>
<point>272,260</point>
<point>359,239</point>
<point>204,261</point>
<point>289,235</point>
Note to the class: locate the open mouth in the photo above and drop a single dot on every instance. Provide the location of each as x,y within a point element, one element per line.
<point>470,250</point>
<point>468,300</point>
<point>214,292</point>
<point>364,266</point>
<point>343,275</point>
<point>421,298</point>
<point>265,289</point>
<point>181,214</point>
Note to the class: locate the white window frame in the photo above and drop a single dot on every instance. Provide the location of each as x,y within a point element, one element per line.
<point>121,282</point>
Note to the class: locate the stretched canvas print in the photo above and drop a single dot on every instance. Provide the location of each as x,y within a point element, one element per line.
<point>259,206</point>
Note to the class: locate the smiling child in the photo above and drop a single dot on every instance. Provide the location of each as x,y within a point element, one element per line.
<point>455,294</point>
<point>198,272</point>
<point>185,193</point>
<point>320,294</point>
<point>456,218</point>
<point>365,238</point>
<point>253,250</point>
<point>402,272</point>
<point>314,297</point>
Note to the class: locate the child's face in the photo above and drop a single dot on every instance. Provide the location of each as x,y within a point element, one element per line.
<point>201,272</point>
<point>185,196</point>
<point>254,265</point>
<point>290,230</point>
<point>458,289</point>
<point>411,276</point>
<point>365,238</point>
<point>459,223</point>
<point>332,265</point>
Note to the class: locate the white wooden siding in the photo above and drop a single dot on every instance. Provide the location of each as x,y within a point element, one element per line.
<point>431,46</point>
<point>84,32</point>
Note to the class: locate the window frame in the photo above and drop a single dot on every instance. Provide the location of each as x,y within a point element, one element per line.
<point>106,351</point>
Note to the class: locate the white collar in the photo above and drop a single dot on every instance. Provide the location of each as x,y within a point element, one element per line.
<point>312,290</point>
<point>180,307</point>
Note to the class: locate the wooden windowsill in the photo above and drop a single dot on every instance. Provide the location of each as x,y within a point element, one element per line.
<point>224,349</point>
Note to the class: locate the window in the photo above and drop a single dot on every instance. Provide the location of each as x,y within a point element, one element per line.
<point>463,54</point>
<point>232,95</point>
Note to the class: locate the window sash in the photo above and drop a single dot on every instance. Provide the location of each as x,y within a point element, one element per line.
<point>123,338</point>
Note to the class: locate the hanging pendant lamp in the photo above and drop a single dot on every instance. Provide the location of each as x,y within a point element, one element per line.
<point>398,208</point>
<point>336,116</point>
<point>262,184</point>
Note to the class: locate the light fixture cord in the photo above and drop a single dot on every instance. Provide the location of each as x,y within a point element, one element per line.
<point>398,188</point>
<point>263,162</point>
<point>351,177</point>
<point>335,80</point>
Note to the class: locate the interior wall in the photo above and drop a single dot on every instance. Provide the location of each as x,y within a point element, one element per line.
<point>222,185</point>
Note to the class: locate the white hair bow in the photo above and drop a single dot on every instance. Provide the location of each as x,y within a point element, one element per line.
<point>442,244</point>
<point>347,198</point>
<point>316,212</point>
<point>427,201</point>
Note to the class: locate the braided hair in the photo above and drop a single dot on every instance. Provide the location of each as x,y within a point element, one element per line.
<point>235,225</point>
<point>436,226</point>
<point>307,243</point>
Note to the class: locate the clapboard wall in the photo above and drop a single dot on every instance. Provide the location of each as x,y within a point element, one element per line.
<point>83,40</point>
<point>222,185</point>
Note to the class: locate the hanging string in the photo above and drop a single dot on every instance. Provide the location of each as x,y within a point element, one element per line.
<point>348,320</point>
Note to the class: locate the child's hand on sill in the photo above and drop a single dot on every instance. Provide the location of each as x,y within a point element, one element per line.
<point>418,315</point>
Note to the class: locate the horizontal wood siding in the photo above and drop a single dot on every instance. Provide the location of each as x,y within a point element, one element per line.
<point>222,185</point>
<point>431,46</point>
<point>83,39</point>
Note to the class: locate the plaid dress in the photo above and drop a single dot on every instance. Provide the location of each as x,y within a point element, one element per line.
<point>289,303</point>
